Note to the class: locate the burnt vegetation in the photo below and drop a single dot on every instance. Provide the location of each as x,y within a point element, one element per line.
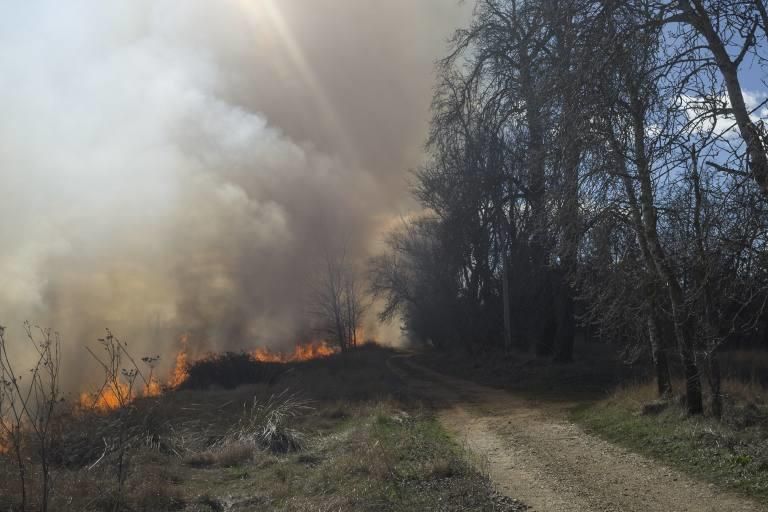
<point>228,371</point>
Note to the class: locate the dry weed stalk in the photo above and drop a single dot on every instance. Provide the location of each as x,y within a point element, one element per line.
<point>29,407</point>
<point>120,385</point>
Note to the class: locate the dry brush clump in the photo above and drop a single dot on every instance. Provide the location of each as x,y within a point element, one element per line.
<point>267,424</point>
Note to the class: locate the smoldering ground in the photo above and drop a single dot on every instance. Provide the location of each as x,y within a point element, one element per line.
<point>182,166</point>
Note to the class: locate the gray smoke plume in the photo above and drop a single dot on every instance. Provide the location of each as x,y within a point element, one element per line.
<point>172,166</point>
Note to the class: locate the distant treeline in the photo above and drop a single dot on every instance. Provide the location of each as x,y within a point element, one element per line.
<point>595,167</point>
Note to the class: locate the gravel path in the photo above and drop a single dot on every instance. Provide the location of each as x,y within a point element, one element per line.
<point>534,454</point>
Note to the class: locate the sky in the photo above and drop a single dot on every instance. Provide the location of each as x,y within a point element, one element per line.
<point>184,166</point>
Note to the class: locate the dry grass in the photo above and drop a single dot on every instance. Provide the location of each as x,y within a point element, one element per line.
<point>745,366</point>
<point>154,496</point>
<point>363,448</point>
<point>226,456</point>
<point>744,403</point>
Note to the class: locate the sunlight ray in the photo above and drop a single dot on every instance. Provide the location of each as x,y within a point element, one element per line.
<point>276,21</point>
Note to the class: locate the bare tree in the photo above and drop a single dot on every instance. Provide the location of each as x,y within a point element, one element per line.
<point>593,160</point>
<point>721,34</point>
<point>338,303</point>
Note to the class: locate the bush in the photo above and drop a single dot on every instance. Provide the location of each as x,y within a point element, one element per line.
<point>229,370</point>
<point>266,424</point>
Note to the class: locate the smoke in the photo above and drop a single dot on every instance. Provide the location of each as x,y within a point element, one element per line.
<point>172,166</point>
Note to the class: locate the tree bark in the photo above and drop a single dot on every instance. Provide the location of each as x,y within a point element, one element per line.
<point>703,284</point>
<point>660,357</point>
<point>658,342</point>
<point>506,303</point>
<point>716,399</point>
<point>684,325</point>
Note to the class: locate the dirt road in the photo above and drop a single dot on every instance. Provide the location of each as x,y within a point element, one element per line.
<point>534,454</point>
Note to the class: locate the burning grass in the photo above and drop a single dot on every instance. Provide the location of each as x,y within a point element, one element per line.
<point>334,433</point>
<point>227,370</point>
<point>302,352</point>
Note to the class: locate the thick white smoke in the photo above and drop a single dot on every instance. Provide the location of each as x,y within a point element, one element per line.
<point>171,166</point>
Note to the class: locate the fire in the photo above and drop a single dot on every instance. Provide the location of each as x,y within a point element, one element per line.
<point>116,395</point>
<point>180,373</point>
<point>304,352</point>
<point>153,388</point>
<point>119,394</point>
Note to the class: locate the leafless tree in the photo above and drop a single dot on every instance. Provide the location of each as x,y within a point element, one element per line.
<point>593,160</point>
<point>339,303</point>
<point>719,35</point>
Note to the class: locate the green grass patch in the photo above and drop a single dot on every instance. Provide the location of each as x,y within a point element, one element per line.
<point>730,457</point>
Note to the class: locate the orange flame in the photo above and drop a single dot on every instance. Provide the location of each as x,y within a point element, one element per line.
<point>180,373</point>
<point>109,398</point>
<point>154,388</point>
<point>115,396</point>
<point>304,352</point>
<point>118,394</point>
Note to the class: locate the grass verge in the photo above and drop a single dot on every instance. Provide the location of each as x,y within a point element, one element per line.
<point>732,453</point>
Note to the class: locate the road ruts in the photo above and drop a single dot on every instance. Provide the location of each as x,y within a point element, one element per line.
<point>533,453</point>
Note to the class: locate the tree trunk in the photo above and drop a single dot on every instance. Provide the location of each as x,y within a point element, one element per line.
<point>659,346</point>
<point>660,357</point>
<point>540,320</point>
<point>566,323</point>
<point>716,398</point>
<point>683,324</point>
<point>506,304</point>
<point>571,143</point>
<point>693,398</point>
<point>704,285</point>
